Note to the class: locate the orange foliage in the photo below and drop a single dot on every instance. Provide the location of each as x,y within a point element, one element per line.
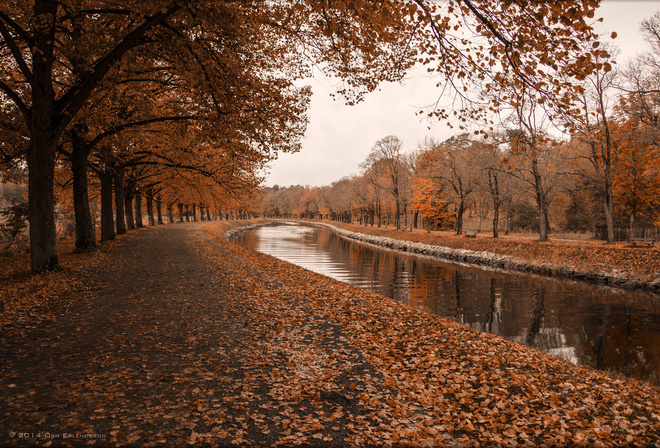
<point>427,199</point>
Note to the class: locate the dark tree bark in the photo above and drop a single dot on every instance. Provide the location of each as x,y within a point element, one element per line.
<point>194,212</point>
<point>107,220</point>
<point>170,213</point>
<point>180,206</point>
<point>150,207</point>
<point>41,200</point>
<point>159,210</point>
<point>494,187</point>
<point>85,237</point>
<point>459,216</point>
<point>128,208</point>
<point>120,220</point>
<point>138,210</point>
<point>541,201</point>
<point>208,215</point>
<point>43,124</point>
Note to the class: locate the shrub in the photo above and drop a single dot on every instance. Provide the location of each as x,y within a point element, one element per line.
<point>14,222</point>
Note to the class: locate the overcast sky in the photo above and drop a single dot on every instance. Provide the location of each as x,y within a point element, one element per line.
<point>339,137</point>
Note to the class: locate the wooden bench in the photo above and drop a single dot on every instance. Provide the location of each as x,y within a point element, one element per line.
<point>644,241</point>
<point>470,234</point>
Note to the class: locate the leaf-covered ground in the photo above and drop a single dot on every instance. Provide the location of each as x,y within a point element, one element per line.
<point>173,336</point>
<point>640,263</point>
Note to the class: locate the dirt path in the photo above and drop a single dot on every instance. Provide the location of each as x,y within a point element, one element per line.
<point>181,338</point>
<point>156,353</point>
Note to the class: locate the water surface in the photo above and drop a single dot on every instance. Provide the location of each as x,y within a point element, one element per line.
<point>585,324</point>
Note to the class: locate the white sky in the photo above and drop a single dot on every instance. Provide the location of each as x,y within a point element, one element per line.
<point>339,137</point>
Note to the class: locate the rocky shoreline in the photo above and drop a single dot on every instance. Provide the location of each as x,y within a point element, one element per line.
<point>615,278</point>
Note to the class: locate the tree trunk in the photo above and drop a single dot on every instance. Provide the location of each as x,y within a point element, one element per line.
<point>107,220</point>
<point>496,219</point>
<point>459,217</point>
<point>543,221</point>
<point>194,212</point>
<point>150,208</point>
<point>632,225</point>
<point>405,216</point>
<point>208,215</point>
<point>41,201</point>
<point>128,208</point>
<point>170,213</point>
<point>379,211</point>
<point>85,237</point>
<point>42,149</point>
<point>541,201</point>
<point>138,210</point>
<point>180,206</point>
<point>397,219</point>
<point>494,188</point>
<point>120,220</point>
<point>609,217</point>
<point>159,212</point>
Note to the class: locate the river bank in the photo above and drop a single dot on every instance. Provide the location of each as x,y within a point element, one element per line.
<point>616,265</point>
<point>449,384</point>
<point>173,336</point>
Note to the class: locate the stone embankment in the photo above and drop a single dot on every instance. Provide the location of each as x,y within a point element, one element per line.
<point>231,234</point>
<point>614,278</point>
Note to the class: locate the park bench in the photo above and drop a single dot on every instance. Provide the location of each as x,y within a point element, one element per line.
<point>645,241</point>
<point>472,234</point>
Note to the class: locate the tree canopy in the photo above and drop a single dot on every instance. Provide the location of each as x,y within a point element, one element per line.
<point>232,66</point>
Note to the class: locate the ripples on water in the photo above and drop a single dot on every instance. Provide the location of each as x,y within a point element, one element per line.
<point>585,324</point>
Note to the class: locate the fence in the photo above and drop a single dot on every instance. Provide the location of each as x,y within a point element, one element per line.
<point>624,234</point>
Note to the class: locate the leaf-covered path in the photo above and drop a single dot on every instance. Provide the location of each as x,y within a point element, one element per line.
<point>177,337</point>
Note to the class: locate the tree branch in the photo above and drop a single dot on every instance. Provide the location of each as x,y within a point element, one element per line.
<point>118,129</point>
<point>74,99</point>
<point>16,99</point>
<point>16,52</point>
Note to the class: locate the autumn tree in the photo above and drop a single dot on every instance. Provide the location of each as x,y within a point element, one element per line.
<point>636,173</point>
<point>362,200</point>
<point>601,146</point>
<point>428,200</point>
<point>385,160</point>
<point>374,175</point>
<point>642,77</point>
<point>452,163</point>
<point>56,55</point>
<point>407,162</point>
<point>310,203</point>
<point>494,180</point>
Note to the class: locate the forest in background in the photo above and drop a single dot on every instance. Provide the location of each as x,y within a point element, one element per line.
<point>600,177</point>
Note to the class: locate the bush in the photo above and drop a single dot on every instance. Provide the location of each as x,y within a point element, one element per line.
<point>14,222</point>
<point>524,217</point>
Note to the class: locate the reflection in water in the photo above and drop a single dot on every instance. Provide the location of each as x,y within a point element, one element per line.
<point>585,324</point>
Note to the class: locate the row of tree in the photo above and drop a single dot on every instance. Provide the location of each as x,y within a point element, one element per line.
<point>188,100</point>
<point>603,170</point>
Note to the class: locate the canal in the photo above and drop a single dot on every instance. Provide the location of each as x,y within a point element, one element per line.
<point>588,325</point>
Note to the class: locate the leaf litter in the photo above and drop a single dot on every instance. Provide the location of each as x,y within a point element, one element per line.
<point>221,346</point>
